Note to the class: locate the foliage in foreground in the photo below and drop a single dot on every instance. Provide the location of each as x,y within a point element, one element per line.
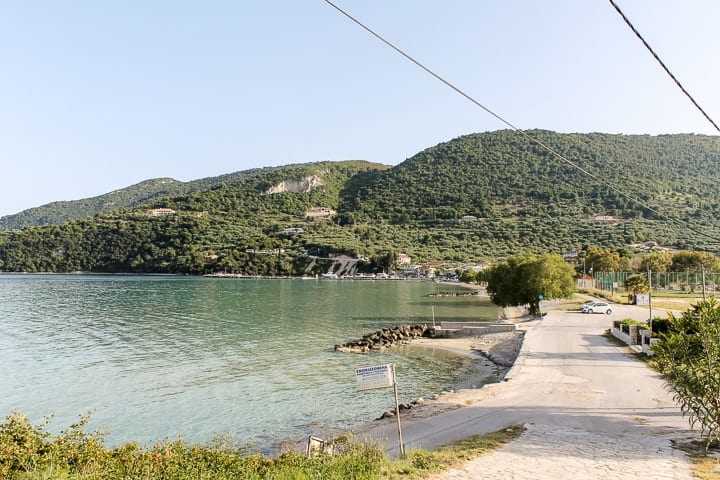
<point>688,356</point>
<point>30,452</point>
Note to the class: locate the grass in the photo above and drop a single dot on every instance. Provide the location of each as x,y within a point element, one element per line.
<point>678,301</point>
<point>616,298</point>
<point>419,464</point>
<point>30,452</point>
<point>705,460</point>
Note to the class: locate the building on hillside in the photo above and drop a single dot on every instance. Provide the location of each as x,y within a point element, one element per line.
<point>265,251</point>
<point>292,231</point>
<point>431,268</point>
<point>468,218</point>
<point>403,259</point>
<point>157,212</point>
<point>571,256</point>
<point>320,212</point>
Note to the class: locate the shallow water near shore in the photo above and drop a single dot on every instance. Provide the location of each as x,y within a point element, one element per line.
<point>155,357</point>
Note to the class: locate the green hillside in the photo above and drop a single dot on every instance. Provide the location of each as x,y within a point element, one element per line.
<point>478,197</point>
<point>488,174</point>
<point>59,212</point>
<point>526,199</point>
<point>124,198</point>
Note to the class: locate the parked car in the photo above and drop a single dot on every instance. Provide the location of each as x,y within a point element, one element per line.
<point>598,307</point>
<point>586,304</point>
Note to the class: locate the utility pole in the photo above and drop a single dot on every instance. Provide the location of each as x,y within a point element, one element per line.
<point>650,297</point>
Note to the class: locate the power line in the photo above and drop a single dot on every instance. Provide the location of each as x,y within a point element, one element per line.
<point>516,129</point>
<point>662,64</point>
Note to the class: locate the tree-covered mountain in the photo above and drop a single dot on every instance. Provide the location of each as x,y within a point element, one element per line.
<point>124,198</point>
<point>489,174</point>
<point>477,197</point>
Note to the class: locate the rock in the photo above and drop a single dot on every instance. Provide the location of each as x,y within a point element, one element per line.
<point>378,341</point>
<point>388,414</point>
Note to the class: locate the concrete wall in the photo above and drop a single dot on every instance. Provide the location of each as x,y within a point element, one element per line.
<point>471,329</point>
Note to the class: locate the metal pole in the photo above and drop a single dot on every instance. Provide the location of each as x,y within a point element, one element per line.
<point>650,298</point>
<point>397,414</point>
<point>703,281</point>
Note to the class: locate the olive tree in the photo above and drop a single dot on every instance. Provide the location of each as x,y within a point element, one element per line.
<point>523,279</point>
<point>688,357</point>
<point>656,261</point>
<point>637,284</point>
<point>602,260</point>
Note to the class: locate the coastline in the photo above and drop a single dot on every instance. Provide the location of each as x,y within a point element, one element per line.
<point>500,348</point>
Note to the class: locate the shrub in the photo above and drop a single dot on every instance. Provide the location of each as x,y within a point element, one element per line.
<point>28,451</point>
<point>630,321</point>
<point>660,325</point>
<point>688,357</point>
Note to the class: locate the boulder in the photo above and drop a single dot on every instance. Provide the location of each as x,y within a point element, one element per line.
<point>387,337</point>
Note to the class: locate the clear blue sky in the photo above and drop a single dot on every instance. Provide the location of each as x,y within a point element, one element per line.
<point>99,95</point>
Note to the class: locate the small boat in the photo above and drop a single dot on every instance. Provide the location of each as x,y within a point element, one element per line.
<point>330,276</point>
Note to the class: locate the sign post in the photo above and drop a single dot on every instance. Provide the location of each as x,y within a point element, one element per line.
<point>381,376</point>
<point>540,299</point>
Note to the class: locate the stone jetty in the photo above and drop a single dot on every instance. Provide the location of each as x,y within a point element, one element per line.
<point>387,337</point>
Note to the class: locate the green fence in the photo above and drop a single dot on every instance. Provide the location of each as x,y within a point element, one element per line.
<point>689,282</point>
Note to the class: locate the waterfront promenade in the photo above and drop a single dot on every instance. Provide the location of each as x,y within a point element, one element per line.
<point>591,409</point>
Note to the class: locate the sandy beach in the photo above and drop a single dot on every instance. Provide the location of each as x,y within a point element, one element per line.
<point>500,348</point>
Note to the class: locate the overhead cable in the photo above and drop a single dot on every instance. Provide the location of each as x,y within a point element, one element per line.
<point>662,64</point>
<point>516,129</point>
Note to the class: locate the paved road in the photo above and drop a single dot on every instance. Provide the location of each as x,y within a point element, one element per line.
<point>591,409</point>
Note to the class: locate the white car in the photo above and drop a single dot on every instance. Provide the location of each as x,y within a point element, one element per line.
<point>597,307</point>
<point>586,304</point>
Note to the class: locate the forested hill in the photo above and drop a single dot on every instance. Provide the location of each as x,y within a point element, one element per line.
<point>477,197</point>
<point>492,174</point>
<point>124,198</point>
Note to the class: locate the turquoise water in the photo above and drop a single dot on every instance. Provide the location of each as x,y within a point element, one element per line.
<point>155,357</point>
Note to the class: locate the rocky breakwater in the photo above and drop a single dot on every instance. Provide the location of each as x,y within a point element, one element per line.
<point>387,337</point>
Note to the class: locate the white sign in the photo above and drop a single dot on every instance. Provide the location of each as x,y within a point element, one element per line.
<point>379,376</point>
<point>642,299</point>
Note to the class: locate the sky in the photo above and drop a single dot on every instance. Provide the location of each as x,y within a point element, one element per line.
<point>100,95</point>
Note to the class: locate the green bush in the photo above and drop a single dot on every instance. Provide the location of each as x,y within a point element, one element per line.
<point>30,452</point>
<point>630,321</point>
<point>688,357</point>
<point>660,325</point>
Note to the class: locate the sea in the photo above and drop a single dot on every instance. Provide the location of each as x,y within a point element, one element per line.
<point>156,358</point>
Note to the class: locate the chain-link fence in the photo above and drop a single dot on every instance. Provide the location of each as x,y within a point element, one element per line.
<point>687,282</point>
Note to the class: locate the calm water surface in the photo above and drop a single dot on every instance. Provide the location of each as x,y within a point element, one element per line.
<point>155,357</point>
